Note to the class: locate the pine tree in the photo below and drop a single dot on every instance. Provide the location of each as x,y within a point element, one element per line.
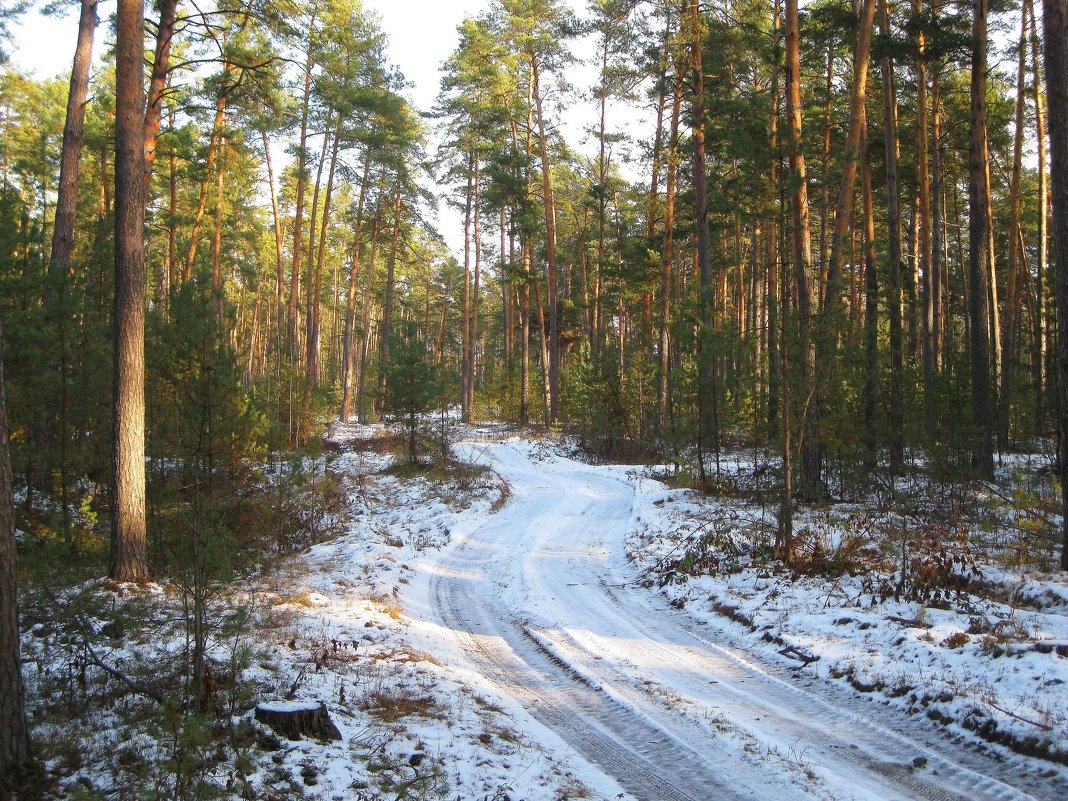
<point>412,382</point>
<point>1055,25</point>
<point>15,752</point>
<point>129,557</point>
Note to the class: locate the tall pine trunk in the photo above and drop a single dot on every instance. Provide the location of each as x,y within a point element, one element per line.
<point>1055,24</point>
<point>667,255</point>
<point>15,754</point>
<point>549,204</point>
<point>161,64</point>
<point>1012,302</point>
<point>925,255</point>
<point>293,320</point>
<point>348,337</point>
<point>706,393</point>
<point>827,340</point>
<point>811,461</point>
<point>129,557</point>
<point>979,250</point>
<point>1041,379</point>
<point>387,303</point>
<point>314,323</point>
<point>893,226</point>
<point>63,229</point>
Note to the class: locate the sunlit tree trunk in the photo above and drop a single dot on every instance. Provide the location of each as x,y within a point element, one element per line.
<point>979,249</point>
<point>1041,380</point>
<point>129,557</point>
<point>472,330</point>
<point>1055,24</point>
<point>893,241</point>
<point>348,337</point>
<point>15,753</point>
<point>214,146</point>
<point>365,323</point>
<point>387,302</point>
<point>871,311</point>
<point>550,245</point>
<point>827,340</point>
<point>465,378</point>
<point>938,239</point>
<point>774,230</point>
<point>925,255</point>
<point>293,320</point>
<point>63,229</point>
<point>694,30</point>
<point>1012,301</point>
<point>280,274</point>
<point>314,324</point>
<point>667,255</point>
<point>161,64</point>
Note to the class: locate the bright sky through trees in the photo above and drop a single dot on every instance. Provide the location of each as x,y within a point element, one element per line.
<point>422,34</point>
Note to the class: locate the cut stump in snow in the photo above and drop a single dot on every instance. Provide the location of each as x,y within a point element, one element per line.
<point>294,719</point>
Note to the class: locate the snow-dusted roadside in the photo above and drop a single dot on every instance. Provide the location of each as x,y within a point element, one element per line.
<point>379,624</point>
<point>412,724</point>
<point>992,670</point>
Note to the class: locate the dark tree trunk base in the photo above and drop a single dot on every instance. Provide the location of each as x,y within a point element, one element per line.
<point>294,719</point>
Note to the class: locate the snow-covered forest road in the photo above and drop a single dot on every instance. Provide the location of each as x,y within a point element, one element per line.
<point>540,600</point>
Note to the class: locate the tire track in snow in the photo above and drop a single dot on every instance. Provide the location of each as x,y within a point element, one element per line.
<point>968,763</point>
<point>617,741</point>
<point>562,645</point>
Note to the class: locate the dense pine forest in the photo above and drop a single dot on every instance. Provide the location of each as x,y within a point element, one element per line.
<point>835,236</point>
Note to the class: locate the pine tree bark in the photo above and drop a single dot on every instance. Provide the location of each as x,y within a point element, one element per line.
<point>828,339</point>
<point>868,428</point>
<point>161,64</point>
<point>925,256</point>
<point>667,255</point>
<point>1042,379</point>
<point>979,249</point>
<point>893,241</point>
<point>1012,301</point>
<point>1055,25</point>
<point>348,337</point>
<point>293,320</point>
<point>129,557</point>
<point>66,207</point>
<point>314,322</point>
<point>365,321</point>
<point>524,336</point>
<point>549,204</point>
<point>214,146</point>
<point>15,752</point>
<point>773,228</point>
<point>280,274</point>
<point>825,189</point>
<point>472,330</point>
<point>465,411</point>
<point>70,156</point>
<point>387,303</point>
<point>811,460</point>
<point>938,237</point>
<point>704,260</point>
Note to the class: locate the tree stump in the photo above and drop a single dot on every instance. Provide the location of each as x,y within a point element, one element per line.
<point>293,719</point>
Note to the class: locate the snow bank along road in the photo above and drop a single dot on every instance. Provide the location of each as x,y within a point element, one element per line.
<point>539,600</point>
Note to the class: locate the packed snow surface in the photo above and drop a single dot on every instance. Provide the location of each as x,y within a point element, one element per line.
<point>510,632</point>
<point>541,599</point>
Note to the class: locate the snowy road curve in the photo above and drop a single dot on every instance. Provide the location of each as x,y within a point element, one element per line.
<point>539,601</point>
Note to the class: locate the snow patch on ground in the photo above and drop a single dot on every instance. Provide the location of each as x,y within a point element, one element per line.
<point>410,722</point>
<point>989,668</point>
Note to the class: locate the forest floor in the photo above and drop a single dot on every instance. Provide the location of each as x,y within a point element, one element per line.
<point>527,625</point>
